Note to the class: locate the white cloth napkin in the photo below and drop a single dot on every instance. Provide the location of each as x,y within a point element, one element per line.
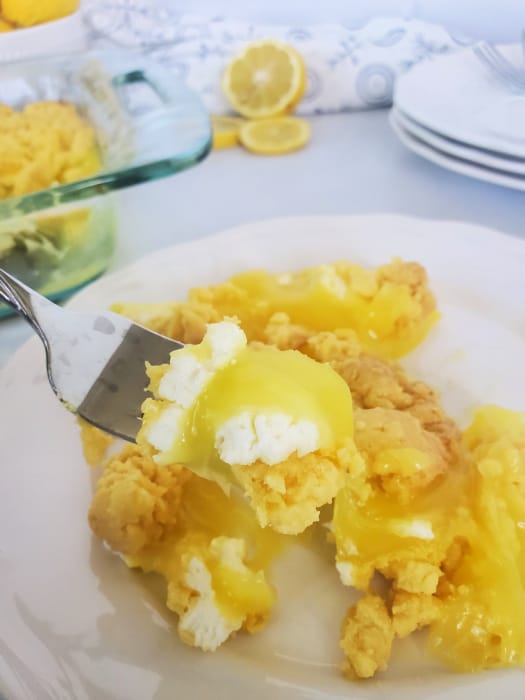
<point>348,67</point>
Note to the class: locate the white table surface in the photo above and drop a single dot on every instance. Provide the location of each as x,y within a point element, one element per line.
<point>353,165</point>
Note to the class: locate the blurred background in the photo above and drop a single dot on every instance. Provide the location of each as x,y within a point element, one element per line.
<point>489,19</point>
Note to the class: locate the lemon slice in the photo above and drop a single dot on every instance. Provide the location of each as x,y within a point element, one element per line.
<point>266,79</point>
<point>226,131</point>
<point>275,136</point>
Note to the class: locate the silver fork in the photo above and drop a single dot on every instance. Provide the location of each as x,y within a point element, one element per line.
<point>500,67</point>
<point>95,361</point>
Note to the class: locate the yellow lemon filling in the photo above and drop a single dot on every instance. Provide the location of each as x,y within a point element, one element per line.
<point>321,298</point>
<point>481,625</point>
<point>373,529</point>
<point>259,393</point>
<point>252,416</point>
<point>455,553</point>
<point>46,143</point>
<point>221,532</point>
<point>390,313</point>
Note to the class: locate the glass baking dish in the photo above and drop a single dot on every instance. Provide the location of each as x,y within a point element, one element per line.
<point>60,249</point>
<point>148,125</point>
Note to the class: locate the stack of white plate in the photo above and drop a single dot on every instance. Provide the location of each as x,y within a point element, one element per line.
<point>453,111</point>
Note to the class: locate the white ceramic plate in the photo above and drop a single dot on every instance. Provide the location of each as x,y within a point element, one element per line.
<point>455,95</point>
<point>76,624</point>
<point>456,149</point>
<point>457,165</point>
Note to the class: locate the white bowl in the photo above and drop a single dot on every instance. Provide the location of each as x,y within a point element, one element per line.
<point>58,36</point>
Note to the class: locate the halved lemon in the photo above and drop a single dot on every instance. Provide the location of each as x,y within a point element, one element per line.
<point>275,136</point>
<point>265,79</point>
<point>226,130</point>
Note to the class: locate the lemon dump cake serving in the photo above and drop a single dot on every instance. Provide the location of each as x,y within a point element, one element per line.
<point>275,423</point>
<point>287,407</point>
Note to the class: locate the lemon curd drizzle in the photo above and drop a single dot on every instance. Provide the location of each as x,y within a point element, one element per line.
<point>478,509</point>
<point>260,380</point>
<point>386,316</point>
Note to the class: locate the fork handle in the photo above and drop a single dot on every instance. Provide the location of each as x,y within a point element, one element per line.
<point>22,299</point>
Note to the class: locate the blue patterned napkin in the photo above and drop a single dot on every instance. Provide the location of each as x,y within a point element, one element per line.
<point>348,67</point>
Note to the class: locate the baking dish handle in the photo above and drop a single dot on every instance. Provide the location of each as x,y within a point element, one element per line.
<point>141,91</point>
